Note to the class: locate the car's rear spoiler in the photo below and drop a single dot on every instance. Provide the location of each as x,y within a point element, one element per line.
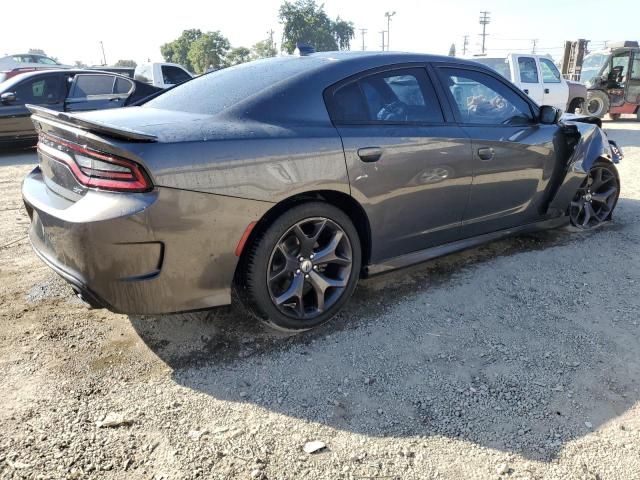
<point>41,113</point>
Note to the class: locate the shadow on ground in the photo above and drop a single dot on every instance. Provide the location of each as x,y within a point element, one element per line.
<point>17,156</point>
<point>479,346</point>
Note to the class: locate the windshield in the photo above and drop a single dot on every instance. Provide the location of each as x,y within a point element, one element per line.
<point>500,65</point>
<point>217,91</point>
<point>591,66</point>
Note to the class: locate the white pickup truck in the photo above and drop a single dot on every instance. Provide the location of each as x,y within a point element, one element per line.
<point>163,75</point>
<point>538,77</point>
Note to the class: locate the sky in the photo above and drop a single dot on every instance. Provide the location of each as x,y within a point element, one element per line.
<point>135,30</point>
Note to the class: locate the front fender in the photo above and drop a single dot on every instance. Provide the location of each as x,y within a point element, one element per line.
<point>591,145</point>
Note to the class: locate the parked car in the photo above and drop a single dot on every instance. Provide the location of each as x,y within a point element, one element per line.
<point>538,77</point>
<point>162,75</point>
<point>288,178</point>
<point>64,91</point>
<point>12,65</point>
<point>613,78</point>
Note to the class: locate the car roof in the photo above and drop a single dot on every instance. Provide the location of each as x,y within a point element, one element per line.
<point>47,71</point>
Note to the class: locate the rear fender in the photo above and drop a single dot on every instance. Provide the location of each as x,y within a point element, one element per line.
<point>588,144</point>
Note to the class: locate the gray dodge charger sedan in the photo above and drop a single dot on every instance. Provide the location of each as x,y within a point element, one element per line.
<point>287,179</point>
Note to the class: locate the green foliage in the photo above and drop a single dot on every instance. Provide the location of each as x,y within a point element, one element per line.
<point>263,49</point>
<point>452,50</point>
<point>208,52</point>
<point>125,63</point>
<point>305,21</point>
<point>237,56</point>
<point>178,50</point>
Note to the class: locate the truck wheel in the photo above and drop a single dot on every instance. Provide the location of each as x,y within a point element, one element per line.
<point>597,103</point>
<point>576,104</point>
<point>614,116</point>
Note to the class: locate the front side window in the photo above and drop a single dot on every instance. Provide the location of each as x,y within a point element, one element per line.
<point>87,85</point>
<point>173,75</point>
<point>38,90</point>
<point>398,96</point>
<point>528,70</point>
<point>481,99</point>
<point>550,73</point>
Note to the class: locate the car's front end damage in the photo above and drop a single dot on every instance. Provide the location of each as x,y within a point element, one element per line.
<point>586,143</point>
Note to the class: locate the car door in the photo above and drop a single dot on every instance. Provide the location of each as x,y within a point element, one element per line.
<point>513,155</point>
<point>97,91</point>
<point>408,168</point>
<point>45,90</point>
<point>633,90</point>
<point>528,77</point>
<point>556,90</point>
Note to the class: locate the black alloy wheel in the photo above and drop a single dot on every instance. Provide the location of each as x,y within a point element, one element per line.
<point>595,200</point>
<point>303,267</point>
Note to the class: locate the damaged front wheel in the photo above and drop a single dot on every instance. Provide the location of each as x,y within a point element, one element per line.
<point>596,198</point>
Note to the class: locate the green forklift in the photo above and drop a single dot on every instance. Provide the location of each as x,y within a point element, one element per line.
<point>612,77</point>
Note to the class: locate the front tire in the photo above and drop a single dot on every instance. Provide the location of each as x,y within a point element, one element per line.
<point>597,103</point>
<point>303,268</point>
<point>595,200</point>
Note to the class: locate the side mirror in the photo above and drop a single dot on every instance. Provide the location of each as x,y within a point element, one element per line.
<point>549,115</point>
<point>8,97</point>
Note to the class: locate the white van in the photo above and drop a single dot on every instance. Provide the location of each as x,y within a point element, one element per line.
<point>163,75</point>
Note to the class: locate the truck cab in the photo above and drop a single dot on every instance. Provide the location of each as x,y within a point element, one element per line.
<point>163,75</point>
<point>538,77</point>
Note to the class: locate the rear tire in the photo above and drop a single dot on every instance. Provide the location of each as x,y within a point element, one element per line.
<point>576,103</point>
<point>597,103</point>
<point>302,268</point>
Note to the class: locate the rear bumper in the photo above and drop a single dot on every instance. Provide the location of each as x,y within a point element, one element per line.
<point>143,253</point>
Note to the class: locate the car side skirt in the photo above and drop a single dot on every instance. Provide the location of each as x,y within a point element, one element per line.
<point>442,250</point>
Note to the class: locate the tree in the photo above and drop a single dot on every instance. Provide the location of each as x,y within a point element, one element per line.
<point>178,50</point>
<point>208,52</point>
<point>80,64</point>
<point>305,21</point>
<point>125,63</point>
<point>237,56</point>
<point>263,49</point>
<point>452,50</point>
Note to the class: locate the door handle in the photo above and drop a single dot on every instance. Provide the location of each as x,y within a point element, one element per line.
<point>546,90</point>
<point>526,90</point>
<point>486,153</point>
<point>370,154</point>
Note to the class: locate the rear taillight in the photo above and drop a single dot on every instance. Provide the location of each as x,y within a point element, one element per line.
<point>96,169</point>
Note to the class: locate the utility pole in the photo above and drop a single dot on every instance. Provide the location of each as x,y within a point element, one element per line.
<point>382,32</point>
<point>104,58</point>
<point>484,21</point>
<point>389,15</point>
<point>464,45</point>
<point>270,33</point>
<point>534,42</point>
<point>362,32</point>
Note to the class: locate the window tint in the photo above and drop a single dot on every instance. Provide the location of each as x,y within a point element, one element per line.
<point>528,70</point>
<point>174,75</point>
<point>397,96</point>
<point>45,60</point>
<point>92,85</point>
<point>550,73</point>
<point>39,90</point>
<point>123,86</point>
<point>482,99</point>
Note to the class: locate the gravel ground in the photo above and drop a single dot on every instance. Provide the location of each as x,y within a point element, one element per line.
<point>518,359</point>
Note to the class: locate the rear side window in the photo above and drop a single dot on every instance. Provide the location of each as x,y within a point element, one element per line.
<point>123,86</point>
<point>173,75</point>
<point>87,85</point>
<point>483,100</point>
<point>397,96</point>
<point>550,73</point>
<point>528,70</point>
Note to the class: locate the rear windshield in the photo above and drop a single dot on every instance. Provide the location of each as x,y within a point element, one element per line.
<point>217,91</point>
<point>500,65</point>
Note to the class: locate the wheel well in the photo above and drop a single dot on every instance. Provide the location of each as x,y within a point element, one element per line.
<point>340,200</point>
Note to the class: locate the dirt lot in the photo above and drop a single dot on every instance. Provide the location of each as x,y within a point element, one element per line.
<point>519,359</point>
